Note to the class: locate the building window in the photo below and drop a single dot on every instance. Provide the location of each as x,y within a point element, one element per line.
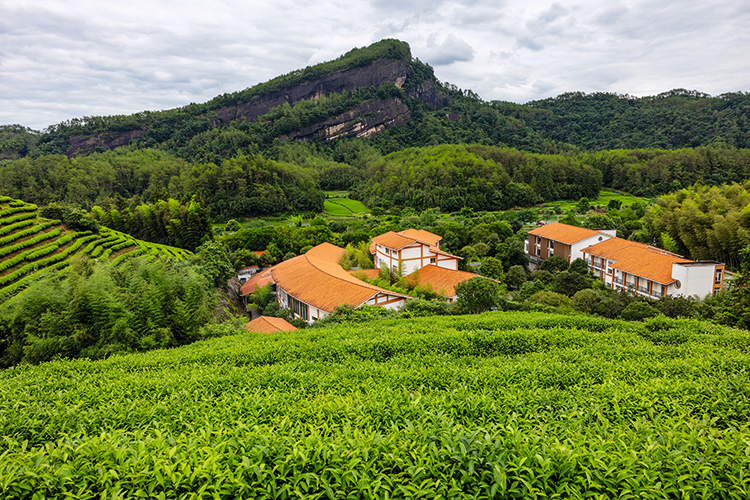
<point>538,251</point>
<point>303,310</point>
<point>717,280</point>
<point>432,260</point>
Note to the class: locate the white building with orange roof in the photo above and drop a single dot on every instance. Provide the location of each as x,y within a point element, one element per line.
<point>409,250</point>
<point>312,285</point>
<point>563,240</point>
<point>652,272</point>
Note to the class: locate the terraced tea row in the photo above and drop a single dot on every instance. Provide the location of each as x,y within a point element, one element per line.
<point>503,405</point>
<point>31,245</point>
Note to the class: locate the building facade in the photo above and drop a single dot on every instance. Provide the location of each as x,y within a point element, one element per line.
<point>652,272</point>
<point>563,240</point>
<point>409,250</point>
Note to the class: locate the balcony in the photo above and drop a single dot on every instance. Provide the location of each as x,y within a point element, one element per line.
<point>657,293</point>
<point>643,289</point>
<point>617,280</point>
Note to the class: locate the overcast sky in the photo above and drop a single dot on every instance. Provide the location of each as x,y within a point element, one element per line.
<point>60,60</point>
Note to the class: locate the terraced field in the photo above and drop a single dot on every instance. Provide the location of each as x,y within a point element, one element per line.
<point>501,405</point>
<point>30,245</point>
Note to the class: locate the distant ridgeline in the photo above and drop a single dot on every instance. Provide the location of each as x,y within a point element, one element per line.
<point>368,85</point>
<point>376,122</point>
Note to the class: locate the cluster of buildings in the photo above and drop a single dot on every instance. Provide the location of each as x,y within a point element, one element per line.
<point>622,264</point>
<point>312,285</point>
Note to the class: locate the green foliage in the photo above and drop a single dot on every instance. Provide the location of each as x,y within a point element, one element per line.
<point>212,259</point>
<point>588,300</point>
<point>599,221</point>
<point>477,177</point>
<point>706,223</point>
<point>515,277</point>
<point>492,268</point>
<point>357,256</point>
<point>528,289</point>
<point>638,311</point>
<point>551,299</point>
<point>579,266</point>
<point>477,295</point>
<point>570,282</point>
<point>167,222</point>
<point>73,218</point>
<point>96,311</point>
<point>516,405</point>
<point>554,264</point>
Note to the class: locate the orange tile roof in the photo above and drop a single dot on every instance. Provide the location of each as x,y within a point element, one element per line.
<point>563,233</point>
<point>443,280</point>
<point>422,236</point>
<point>370,274</point>
<point>269,324</point>
<point>650,263</point>
<point>317,279</point>
<point>393,240</point>
<point>613,247</point>
<point>258,281</point>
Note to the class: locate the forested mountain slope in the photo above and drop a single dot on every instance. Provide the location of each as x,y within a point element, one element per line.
<point>385,93</point>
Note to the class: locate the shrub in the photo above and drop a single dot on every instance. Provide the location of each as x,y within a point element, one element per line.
<point>554,264</point>
<point>588,300</point>
<point>548,298</point>
<point>638,311</point>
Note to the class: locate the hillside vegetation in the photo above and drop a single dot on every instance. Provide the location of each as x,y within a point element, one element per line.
<point>31,245</point>
<point>502,405</point>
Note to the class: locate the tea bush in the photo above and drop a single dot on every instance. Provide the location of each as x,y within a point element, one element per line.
<point>498,405</point>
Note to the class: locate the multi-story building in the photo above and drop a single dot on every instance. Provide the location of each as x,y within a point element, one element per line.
<point>652,272</point>
<point>409,250</point>
<point>563,240</point>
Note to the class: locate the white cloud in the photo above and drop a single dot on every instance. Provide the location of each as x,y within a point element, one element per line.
<point>60,60</point>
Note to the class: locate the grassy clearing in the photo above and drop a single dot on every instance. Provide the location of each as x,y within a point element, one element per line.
<point>503,405</point>
<point>31,245</point>
<point>605,195</point>
<point>337,210</point>
<point>355,206</point>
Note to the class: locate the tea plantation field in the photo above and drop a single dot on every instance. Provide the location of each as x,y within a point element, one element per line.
<point>31,245</point>
<point>502,405</point>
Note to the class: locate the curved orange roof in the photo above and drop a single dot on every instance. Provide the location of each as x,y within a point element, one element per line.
<point>317,279</point>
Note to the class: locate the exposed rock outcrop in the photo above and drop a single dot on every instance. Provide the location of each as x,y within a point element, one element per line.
<point>373,75</point>
<point>364,121</point>
<point>104,141</point>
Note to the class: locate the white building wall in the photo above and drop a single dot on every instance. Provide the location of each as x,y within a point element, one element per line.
<point>409,253</point>
<point>575,248</point>
<point>694,279</point>
<point>447,263</point>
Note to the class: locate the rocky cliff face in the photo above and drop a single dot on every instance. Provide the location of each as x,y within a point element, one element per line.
<point>368,76</point>
<point>108,141</point>
<point>364,121</point>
